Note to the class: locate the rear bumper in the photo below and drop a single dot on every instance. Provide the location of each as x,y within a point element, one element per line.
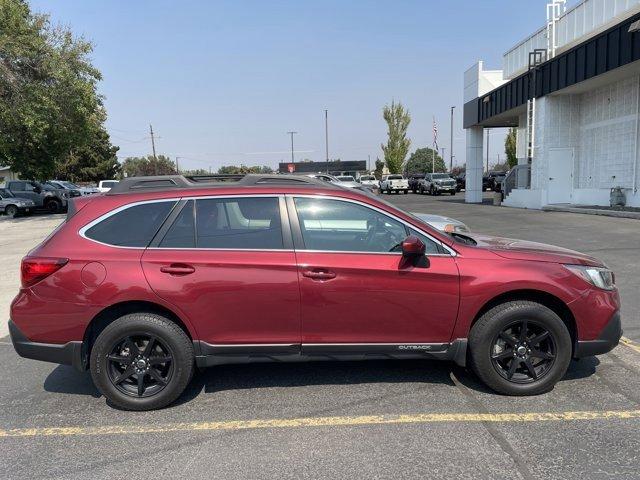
<point>607,341</point>
<point>69,353</point>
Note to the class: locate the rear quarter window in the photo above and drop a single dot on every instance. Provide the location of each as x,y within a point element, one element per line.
<point>133,226</point>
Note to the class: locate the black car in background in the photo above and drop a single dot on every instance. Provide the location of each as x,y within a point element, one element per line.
<point>414,179</point>
<point>460,181</point>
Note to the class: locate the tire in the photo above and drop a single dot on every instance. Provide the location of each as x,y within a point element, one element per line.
<point>170,343</point>
<point>453,193</point>
<point>11,211</point>
<point>53,206</point>
<point>432,191</point>
<point>484,351</point>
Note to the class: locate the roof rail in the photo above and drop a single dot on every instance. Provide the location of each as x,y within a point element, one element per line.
<point>179,182</point>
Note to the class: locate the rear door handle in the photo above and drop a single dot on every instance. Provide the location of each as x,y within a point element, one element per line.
<point>178,269</point>
<point>318,274</point>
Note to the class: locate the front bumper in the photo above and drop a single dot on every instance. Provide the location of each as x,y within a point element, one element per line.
<point>607,340</point>
<point>69,353</point>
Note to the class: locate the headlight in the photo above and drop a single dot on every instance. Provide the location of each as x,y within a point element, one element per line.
<point>600,277</point>
<point>65,195</point>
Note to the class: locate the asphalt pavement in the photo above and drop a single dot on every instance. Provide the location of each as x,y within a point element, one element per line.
<point>369,420</point>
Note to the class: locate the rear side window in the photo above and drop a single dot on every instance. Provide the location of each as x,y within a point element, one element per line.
<point>182,233</point>
<point>131,227</point>
<point>239,223</point>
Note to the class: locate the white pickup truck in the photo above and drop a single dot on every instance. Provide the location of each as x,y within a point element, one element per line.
<point>394,183</point>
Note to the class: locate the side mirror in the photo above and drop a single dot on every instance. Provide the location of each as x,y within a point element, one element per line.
<point>412,246</point>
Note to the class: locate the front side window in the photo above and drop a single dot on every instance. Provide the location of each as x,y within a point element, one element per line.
<point>239,223</point>
<point>335,225</point>
<point>131,227</point>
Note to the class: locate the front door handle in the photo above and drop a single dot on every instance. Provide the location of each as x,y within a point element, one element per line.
<point>178,269</point>
<point>318,274</point>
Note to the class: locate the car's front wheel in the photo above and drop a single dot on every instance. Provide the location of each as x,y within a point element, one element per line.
<point>142,361</point>
<point>520,348</point>
<point>11,211</point>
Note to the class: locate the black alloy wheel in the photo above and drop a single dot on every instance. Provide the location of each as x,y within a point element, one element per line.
<point>140,365</point>
<point>523,352</point>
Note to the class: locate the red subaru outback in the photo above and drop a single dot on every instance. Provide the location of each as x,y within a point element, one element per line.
<point>165,273</point>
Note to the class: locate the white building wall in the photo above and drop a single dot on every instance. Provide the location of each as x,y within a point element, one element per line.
<point>601,126</point>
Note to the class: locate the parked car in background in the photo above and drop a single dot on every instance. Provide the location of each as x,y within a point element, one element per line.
<point>106,185</point>
<point>414,179</point>
<point>444,224</point>
<point>73,192</point>
<point>52,199</point>
<point>437,183</point>
<point>13,206</point>
<point>73,187</point>
<point>325,177</point>
<point>345,178</point>
<point>142,285</point>
<point>460,181</point>
<point>394,183</point>
<point>493,179</point>
<point>368,181</point>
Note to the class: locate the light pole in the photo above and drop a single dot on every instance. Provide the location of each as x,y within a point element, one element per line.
<point>488,149</point>
<point>292,134</point>
<point>451,142</point>
<point>326,137</point>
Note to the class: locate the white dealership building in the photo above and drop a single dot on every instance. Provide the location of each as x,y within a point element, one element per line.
<point>572,90</point>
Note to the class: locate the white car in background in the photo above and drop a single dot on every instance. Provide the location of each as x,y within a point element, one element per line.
<point>368,181</point>
<point>394,183</point>
<point>106,185</point>
<point>444,224</point>
<point>64,185</point>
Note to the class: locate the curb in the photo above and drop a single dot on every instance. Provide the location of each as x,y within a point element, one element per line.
<point>592,211</point>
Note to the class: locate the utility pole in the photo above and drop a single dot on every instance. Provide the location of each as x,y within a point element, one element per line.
<point>177,166</point>
<point>369,163</point>
<point>488,149</point>
<point>326,137</point>
<point>292,134</point>
<point>451,143</point>
<point>153,148</point>
<point>444,156</point>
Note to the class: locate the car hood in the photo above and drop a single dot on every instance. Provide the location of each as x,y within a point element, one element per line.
<point>525,250</point>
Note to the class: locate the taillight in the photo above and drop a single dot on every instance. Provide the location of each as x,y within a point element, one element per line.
<point>34,269</point>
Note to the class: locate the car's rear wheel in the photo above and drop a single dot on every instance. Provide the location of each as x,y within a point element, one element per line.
<point>53,206</point>
<point>11,211</point>
<point>142,361</point>
<point>520,348</point>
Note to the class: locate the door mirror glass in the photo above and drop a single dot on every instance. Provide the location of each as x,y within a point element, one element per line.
<point>412,246</point>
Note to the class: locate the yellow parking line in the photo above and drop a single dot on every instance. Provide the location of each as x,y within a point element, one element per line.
<point>323,422</point>
<point>630,343</point>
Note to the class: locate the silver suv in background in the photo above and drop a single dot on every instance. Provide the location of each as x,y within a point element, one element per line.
<point>437,183</point>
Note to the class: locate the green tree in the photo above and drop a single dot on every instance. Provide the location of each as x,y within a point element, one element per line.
<point>421,160</point>
<point>510,147</point>
<point>397,147</point>
<point>147,166</point>
<point>379,168</point>
<point>243,169</point>
<point>91,163</point>
<point>49,105</point>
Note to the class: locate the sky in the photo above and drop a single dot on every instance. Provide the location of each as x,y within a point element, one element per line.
<point>223,82</point>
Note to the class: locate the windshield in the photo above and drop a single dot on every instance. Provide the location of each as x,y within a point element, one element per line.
<point>440,176</point>
<point>367,177</point>
<point>68,185</point>
<point>395,177</point>
<point>346,178</point>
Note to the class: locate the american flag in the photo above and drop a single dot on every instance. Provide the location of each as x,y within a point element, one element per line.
<point>435,133</point>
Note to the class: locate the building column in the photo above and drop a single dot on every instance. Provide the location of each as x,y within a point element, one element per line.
<point>475,168</point>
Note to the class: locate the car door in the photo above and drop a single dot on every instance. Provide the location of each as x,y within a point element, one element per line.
<point>228,264</point>
<point>356,288</point>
